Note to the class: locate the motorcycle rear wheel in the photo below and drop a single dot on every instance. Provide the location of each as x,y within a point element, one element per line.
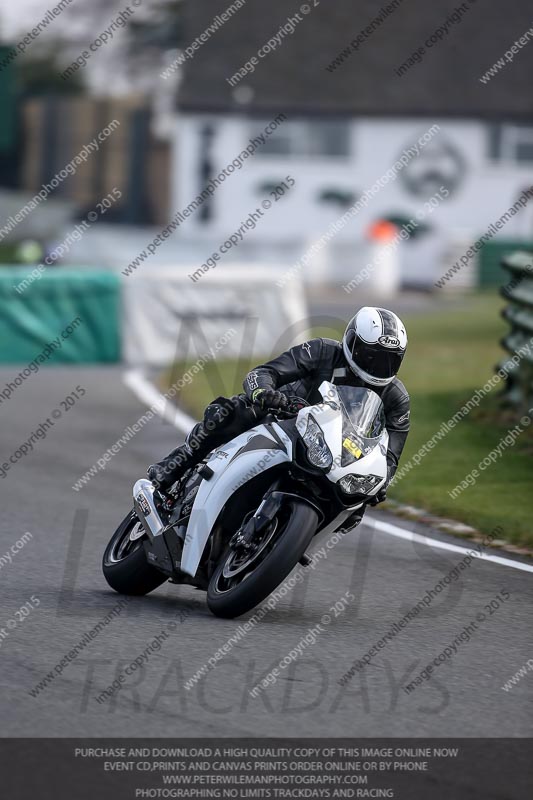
<point>233,591</point>
<point>124,563</point>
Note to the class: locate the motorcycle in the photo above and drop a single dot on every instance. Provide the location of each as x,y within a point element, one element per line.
<point>242,519</point>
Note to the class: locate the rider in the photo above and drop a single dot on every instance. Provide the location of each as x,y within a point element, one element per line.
<point>369,355</point>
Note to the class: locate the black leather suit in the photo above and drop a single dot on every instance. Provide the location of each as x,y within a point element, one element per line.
<point>296,372</point>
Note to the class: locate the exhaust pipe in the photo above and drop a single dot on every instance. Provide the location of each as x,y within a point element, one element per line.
<point>143,502</point>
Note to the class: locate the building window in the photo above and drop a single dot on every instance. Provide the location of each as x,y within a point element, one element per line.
<point>511,143</point>
<point>323,139</point>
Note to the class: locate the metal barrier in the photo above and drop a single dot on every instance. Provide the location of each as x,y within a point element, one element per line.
<point>519,314</point>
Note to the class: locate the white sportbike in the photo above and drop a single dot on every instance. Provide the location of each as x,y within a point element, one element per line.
<point>243,518</point>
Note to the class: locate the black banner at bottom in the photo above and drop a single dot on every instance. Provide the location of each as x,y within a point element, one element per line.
<point>405,769</point>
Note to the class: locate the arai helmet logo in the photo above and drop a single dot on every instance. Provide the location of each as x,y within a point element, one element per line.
<point>389,341</point>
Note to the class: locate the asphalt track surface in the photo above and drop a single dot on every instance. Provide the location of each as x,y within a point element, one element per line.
<point>60,566</point>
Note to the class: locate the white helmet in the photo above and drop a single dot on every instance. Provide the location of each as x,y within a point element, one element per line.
<point>374,345</point>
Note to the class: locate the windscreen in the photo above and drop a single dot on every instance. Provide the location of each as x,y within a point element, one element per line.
<point>363,422</point>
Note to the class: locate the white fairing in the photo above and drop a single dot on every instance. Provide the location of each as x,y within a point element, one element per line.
<point>232,468</point>
<point>231,472</point>
<point>330,420</point>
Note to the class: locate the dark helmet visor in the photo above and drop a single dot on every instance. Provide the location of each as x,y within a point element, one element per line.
<point>377,361</point>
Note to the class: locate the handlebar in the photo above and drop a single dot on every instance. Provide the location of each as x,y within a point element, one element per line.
<point>284,413</point>
<point>294,406</point>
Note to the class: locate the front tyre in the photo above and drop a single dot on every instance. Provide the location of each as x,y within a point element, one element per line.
<point>124,563</point>
<point>233,590</point>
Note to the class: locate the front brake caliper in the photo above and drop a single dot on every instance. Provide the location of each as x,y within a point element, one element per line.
<point>264,515</point>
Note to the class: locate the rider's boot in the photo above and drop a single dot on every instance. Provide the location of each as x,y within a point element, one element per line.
<point>173,467</point>
<point>204,437</point>
<point>166,472</point>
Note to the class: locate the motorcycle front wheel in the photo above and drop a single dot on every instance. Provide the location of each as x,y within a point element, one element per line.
<point>124,563</point>
<point>242,580</point>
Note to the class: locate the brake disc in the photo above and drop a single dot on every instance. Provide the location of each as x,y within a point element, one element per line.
<point>237,562</point>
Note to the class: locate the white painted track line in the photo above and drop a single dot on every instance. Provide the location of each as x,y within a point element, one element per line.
<point>411,536</point>
<point>149,394</point>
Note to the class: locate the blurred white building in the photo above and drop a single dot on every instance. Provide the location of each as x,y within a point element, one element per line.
<point>483,167</point>
<point>346,127</point>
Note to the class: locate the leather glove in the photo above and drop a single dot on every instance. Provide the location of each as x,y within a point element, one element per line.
<point>269,398</point>
<point>380,497</point>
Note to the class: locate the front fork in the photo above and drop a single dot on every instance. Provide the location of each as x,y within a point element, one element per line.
<point>265,514</point>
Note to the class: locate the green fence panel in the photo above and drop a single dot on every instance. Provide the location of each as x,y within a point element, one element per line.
<point>491,254</point>
<point>70,315</point>
<point>8,99</point>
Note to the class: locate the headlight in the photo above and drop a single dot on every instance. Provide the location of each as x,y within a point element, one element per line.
<point>359,484</point>
<point>318,452</point>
